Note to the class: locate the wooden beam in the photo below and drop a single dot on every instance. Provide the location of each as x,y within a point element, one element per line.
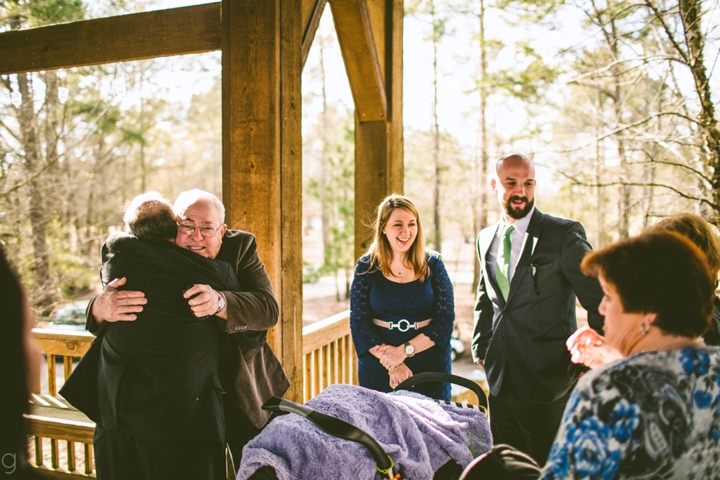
<point>124,38</point>
<point>379,144</point>
<point>362,64</point>
<point>312,13</point>
<point>262,152</point>
<point>394,85</point>
<point>371,150</point>
<point>291,297</point>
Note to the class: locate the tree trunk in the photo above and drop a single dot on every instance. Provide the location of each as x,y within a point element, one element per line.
<point>480,206</point>
<point>436,129</point>
<point>611,37</point>
<point>323,186</point>
<point>694,40</point>
<point>38,221</point>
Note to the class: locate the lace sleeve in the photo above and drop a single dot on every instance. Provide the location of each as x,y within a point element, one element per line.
<point>441,327</point>
<point>364,333</point>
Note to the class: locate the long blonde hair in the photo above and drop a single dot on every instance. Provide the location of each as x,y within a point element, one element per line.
<point>381,254</point>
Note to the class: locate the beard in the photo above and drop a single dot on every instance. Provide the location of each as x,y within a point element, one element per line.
<point>518,213</point>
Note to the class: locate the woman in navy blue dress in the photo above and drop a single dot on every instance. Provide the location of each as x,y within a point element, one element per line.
<point>401,304</point>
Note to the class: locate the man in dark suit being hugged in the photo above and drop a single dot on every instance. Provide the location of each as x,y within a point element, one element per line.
<point>525,311</point>
<point>159,392</point>
<point>249,371</point>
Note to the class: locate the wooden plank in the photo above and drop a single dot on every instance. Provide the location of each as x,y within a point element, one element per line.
<point>359,53</point>
<point>394,86</point>
<point>177,31</point>
<point>251,129</point>
<point>379,144</point>
<point>371,149</point>
<point>376,15</point>
<point>59,342</point>
<point>62,429</point>
<point>59,475</point>
<point>311,21</point>
<point>325,331</point>
<point>291,301</point>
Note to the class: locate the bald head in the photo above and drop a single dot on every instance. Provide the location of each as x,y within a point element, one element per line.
<point>514,184</point>
<point>514,160</point>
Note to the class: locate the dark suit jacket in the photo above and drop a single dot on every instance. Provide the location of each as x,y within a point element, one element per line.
<point>158,376</point>
<point>524,337</point>
<point>250,372</point>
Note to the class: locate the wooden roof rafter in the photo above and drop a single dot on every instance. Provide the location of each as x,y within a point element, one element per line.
<point>162,33</point>
<point>312,12</point>
<point>362,64</point>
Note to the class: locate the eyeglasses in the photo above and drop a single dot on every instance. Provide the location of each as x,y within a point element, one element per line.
<point>206,231</point>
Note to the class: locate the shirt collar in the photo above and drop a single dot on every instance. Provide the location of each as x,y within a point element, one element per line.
<point>520,225</point>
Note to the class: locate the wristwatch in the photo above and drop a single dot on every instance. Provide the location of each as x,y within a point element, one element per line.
<point>221,303</point>
<point>409,349</point>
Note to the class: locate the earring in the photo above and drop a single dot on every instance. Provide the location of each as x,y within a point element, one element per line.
<point>644,328</point>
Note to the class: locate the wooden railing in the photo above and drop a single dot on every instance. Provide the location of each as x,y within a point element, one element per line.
<point>62,436</point>
<point>329,355</point>
<point>58,429</point>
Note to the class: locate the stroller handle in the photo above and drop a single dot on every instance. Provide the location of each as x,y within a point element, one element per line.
<point>445,377</point>
<point>334,426</point>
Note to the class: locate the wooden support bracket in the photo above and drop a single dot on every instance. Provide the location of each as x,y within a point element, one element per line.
<point>357,45</point>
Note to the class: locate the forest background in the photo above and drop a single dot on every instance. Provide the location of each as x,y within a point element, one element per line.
<point>615,101</point>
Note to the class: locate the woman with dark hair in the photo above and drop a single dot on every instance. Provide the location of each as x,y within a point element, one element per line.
<point>20,360</point>
<point>654,412</point>
<point>588,347</point>
<point>401,304</point>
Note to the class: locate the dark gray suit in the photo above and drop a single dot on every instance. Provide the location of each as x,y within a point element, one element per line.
<point>158,376</point>
<point>522,340</point>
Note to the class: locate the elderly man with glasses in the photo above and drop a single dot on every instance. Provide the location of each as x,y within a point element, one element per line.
<point>249,371</point>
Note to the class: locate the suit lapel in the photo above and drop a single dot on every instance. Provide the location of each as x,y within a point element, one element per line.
<point>529,243</point>
<point>485,240</point>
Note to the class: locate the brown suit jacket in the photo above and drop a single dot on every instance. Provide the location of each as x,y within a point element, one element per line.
<point>249,370</point>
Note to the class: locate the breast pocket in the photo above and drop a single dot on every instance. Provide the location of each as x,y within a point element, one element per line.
<point>546,279</point>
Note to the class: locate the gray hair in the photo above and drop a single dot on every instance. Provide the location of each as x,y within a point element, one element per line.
<point>150,217</point>
<point>191,197</point>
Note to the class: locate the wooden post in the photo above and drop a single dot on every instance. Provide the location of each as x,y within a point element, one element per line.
<point>370,37</point>
<point>261,44</point>
<point>291,299</point>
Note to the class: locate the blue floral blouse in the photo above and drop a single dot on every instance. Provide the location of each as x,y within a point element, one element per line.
<point>374,296</point>
<point>652,415</point>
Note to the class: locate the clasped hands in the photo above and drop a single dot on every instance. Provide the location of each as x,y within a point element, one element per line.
<point>587,347</point>
<point>115,305</point>
<point>393,358</point>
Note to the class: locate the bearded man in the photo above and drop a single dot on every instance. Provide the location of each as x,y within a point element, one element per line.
<point>525,311</point>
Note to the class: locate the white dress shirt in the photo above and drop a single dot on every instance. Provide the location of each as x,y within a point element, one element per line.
<point>517,240</point>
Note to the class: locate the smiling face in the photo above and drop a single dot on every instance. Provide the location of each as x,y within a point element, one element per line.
<point>201,214</point>
<point>622,329</point>
<point>515,186</point>
<point>401,230</point>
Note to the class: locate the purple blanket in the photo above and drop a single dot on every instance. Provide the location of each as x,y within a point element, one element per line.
<point>418,433</point>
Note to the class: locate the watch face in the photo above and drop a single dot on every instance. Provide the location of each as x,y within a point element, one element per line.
<point>409,349</point>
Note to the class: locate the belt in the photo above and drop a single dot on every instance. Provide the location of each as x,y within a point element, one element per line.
<point>403,324</point>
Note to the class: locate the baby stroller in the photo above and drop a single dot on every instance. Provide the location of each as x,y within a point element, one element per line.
<point>358,433</point>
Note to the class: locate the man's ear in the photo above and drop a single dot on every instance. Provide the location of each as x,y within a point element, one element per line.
<point>223,229</point>
<point>493,184</point>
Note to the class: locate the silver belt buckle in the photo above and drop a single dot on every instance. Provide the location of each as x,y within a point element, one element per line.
<point>399,326</point>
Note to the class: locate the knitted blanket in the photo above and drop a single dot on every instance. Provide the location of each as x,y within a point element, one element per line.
<point>419,434</point>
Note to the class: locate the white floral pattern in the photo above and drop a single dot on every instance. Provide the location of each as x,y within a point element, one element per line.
<point>652,415</point>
